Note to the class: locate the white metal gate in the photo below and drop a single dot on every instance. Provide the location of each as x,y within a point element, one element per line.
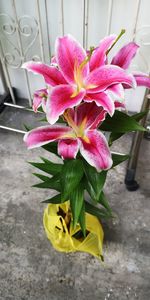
<point>28,30</point>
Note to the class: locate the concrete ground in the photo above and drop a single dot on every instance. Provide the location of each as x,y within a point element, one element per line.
<point>30,269</point>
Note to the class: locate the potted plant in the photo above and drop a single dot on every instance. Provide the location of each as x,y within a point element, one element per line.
<point>82,98</point>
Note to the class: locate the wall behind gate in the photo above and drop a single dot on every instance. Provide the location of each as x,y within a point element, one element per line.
<point>28,30</point>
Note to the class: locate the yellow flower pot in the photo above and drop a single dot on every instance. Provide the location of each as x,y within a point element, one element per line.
<point>65,238</point>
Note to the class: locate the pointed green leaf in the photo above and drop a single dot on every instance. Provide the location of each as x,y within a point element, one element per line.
<point>82,220</point>
<point>90,190</point>
<point>120,122</point>
<point>27,128</point>
<point>102,199</point>
<point>95,179</point>
<point>42,120</point>
<point>51,183</point>
<point>114,136</point>
<point>96,211</point>
<point>55,200</point>
<point>61,120</point>
<point>104,202</point>
<point>71,175</point>
<point>42,177</point>
<point>76,202</point>
<point>118,158</point>
<point>140,115</point>
<point>40,109</point>
<point>48,167</point>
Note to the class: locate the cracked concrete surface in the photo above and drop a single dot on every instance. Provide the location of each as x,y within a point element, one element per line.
<point>30,269</point>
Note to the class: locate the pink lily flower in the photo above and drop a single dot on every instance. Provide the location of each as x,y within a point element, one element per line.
<point>73,81</point>
<point>81,134</point>
<point>115,91</point>
<point>39,99</point>
<point>142,79</point>
<point>123,59</point>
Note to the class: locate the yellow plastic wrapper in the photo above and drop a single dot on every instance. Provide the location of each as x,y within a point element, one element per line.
<point>65,238</point>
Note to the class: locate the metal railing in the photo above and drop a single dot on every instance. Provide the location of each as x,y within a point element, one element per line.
<point>23,26</point>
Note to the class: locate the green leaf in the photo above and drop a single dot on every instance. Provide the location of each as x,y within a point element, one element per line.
<point>48,167</point>
<point>95,179</point>
<point>27,128</point>
<point>102,199</point>
<point>140,115</point>
<point>40,109</point>
<point>46,161</point>
<point>41,176</point>
<point>71,175</point>
<point>116,135</point>
<point>61,120</point>
<point>51,147</point>
<point>104,202</point>
<point>76,202</point>
<point>42,120</point>
<point>120,123</point>
<point>82,220</point>
<point>51,183</point>
<point>96,211</point>
<point>90,190</point>
<point>119,158</point>
<point>55,200</point>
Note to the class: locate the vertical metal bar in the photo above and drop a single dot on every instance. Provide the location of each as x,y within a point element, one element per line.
<point>21,50</point>
<point>2,77</point>
<point>28,88</point>
<point>84,8</point>
<point>40,30</point>
<point>130,181</point>
<point>85,23</point>
<point>47,27</point>
<point>136,18</point>
<point>6,74</point>
<point>62,17</point>
<point>110,8</point>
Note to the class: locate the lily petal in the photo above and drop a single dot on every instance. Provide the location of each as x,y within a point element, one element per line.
<point>44,104</point>
<point>102,99</point>
<point>39,99</point>
<point>125,55</point>
<point>119,104</point>
<point>54,60</point>
<point>60,99</point>
<point>68,149</point>
<point>51,74</point>
<point>89,115</point>
<point>70,55</point>
<point>46,134</point>
<point>142,79</point>
<point>99,55</point>
<point>94,148</point>
<point>116,91</point>
<point>101,78</point>
<point>100,118</point>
